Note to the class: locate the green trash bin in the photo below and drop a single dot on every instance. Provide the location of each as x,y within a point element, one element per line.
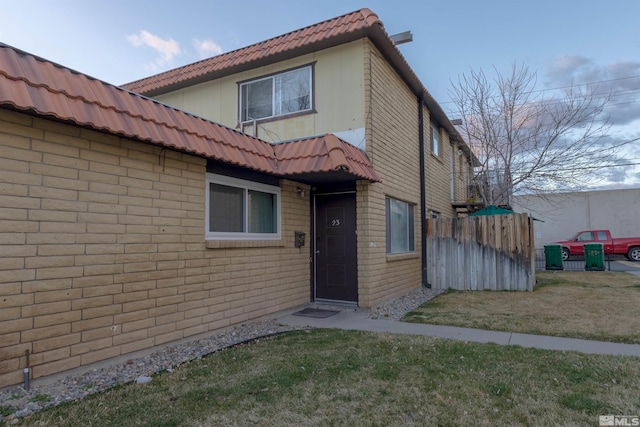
<point>594,257</point>
<point>553,257</point>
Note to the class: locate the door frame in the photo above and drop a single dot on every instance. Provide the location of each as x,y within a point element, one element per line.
<point>314,263</point>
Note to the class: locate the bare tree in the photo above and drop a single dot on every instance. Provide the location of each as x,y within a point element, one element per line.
<point>527,141</point>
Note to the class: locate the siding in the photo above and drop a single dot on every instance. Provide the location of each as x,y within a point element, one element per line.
<point>337,82</point>
<point>102,250</point>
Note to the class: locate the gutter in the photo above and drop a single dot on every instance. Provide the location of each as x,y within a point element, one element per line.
<point>423,194</point>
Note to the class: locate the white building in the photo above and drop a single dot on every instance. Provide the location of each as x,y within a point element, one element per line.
<point>565,214</point>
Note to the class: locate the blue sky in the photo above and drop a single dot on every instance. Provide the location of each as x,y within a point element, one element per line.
<point>566,41</point>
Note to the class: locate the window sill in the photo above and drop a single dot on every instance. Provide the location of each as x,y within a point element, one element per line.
<point>246,123</point>
<point>437,157</point>
<point>402,257</point>
<point>230,244</point>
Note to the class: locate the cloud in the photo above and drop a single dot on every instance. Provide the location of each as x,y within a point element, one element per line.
<point>167,48</point>
<point>618,175</point>
<point>207,48</point>
<point>564,67</point>
<point>619,81</point>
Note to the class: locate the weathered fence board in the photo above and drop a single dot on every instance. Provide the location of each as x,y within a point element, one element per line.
<point>481,253</point>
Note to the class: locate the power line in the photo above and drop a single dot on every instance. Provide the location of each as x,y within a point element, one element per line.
<point>573,86</point>
<point>548,170</point>
<point>588,167</point>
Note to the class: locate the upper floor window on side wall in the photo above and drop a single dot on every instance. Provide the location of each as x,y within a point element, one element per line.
<point>280,94</point>
<point>435,140</point>
<point>237,209</point>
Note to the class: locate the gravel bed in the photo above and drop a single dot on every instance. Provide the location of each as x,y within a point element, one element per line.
<point>42,394</point>
<point>397,308</point>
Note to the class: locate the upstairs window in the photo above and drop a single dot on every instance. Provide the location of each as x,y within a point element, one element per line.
<point>435,140</point>
<point>277,95</point>
<point>241,210</point>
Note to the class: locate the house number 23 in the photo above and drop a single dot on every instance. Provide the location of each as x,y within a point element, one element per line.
<point>335,222</point>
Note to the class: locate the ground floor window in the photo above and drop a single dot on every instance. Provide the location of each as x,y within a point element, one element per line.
<point>241,210</point>
<point>400,226</point>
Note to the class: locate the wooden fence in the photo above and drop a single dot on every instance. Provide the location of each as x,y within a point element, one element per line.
<point>481,253</point>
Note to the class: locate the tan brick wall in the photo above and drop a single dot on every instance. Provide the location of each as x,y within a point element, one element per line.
<point>102,250</point>
<point>462,175</point>
<point>438,173</point>
<point>392,146</point>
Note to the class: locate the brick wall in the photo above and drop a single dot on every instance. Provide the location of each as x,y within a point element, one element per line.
<point>438,174</point>
<point>102,250</point>
<point>463,176</point>
<point>392,146</point>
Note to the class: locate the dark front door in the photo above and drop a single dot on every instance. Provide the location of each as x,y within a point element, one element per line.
<point>335,251</point>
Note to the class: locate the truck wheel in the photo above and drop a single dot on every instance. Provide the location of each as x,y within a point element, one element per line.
<point>634,254</point>
<point>565,254</point>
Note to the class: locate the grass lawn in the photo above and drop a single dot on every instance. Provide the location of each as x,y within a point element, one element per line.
<point>349,378</point>
<point>593,305</point>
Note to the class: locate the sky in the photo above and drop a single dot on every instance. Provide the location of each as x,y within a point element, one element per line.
<point>563,41</point>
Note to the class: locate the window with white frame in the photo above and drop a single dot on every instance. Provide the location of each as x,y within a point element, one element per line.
<point>277,95</point>
<point>241,210</point>
<point>400,226</point>
<point>435,140</point>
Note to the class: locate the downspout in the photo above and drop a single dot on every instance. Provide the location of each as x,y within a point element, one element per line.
<point>423,194</point>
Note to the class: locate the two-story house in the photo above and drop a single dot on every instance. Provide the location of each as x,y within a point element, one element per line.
<point>298,169</point>
<point>343,77</point>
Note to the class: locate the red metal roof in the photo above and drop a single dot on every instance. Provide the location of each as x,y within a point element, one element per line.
<point>38,86</point>
<point>314,35</point>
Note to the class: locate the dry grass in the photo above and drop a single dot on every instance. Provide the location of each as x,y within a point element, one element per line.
<point>593,305</point>
<point>348,378</point>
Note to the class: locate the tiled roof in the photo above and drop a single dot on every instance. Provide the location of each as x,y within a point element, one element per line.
<point>336,31</point>
<point>314,35</point>
<point>323,154</point>
<point>38,86</point>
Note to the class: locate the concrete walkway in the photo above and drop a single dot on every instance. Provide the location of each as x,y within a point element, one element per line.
<point>359,320</point>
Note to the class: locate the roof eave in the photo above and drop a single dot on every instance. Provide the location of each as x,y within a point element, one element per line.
<point>261,62</point>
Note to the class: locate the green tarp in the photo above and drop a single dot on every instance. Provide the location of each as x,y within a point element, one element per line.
<point>492,210</point>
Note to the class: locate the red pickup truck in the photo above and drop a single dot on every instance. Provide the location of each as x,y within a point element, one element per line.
<point>629,246</point>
